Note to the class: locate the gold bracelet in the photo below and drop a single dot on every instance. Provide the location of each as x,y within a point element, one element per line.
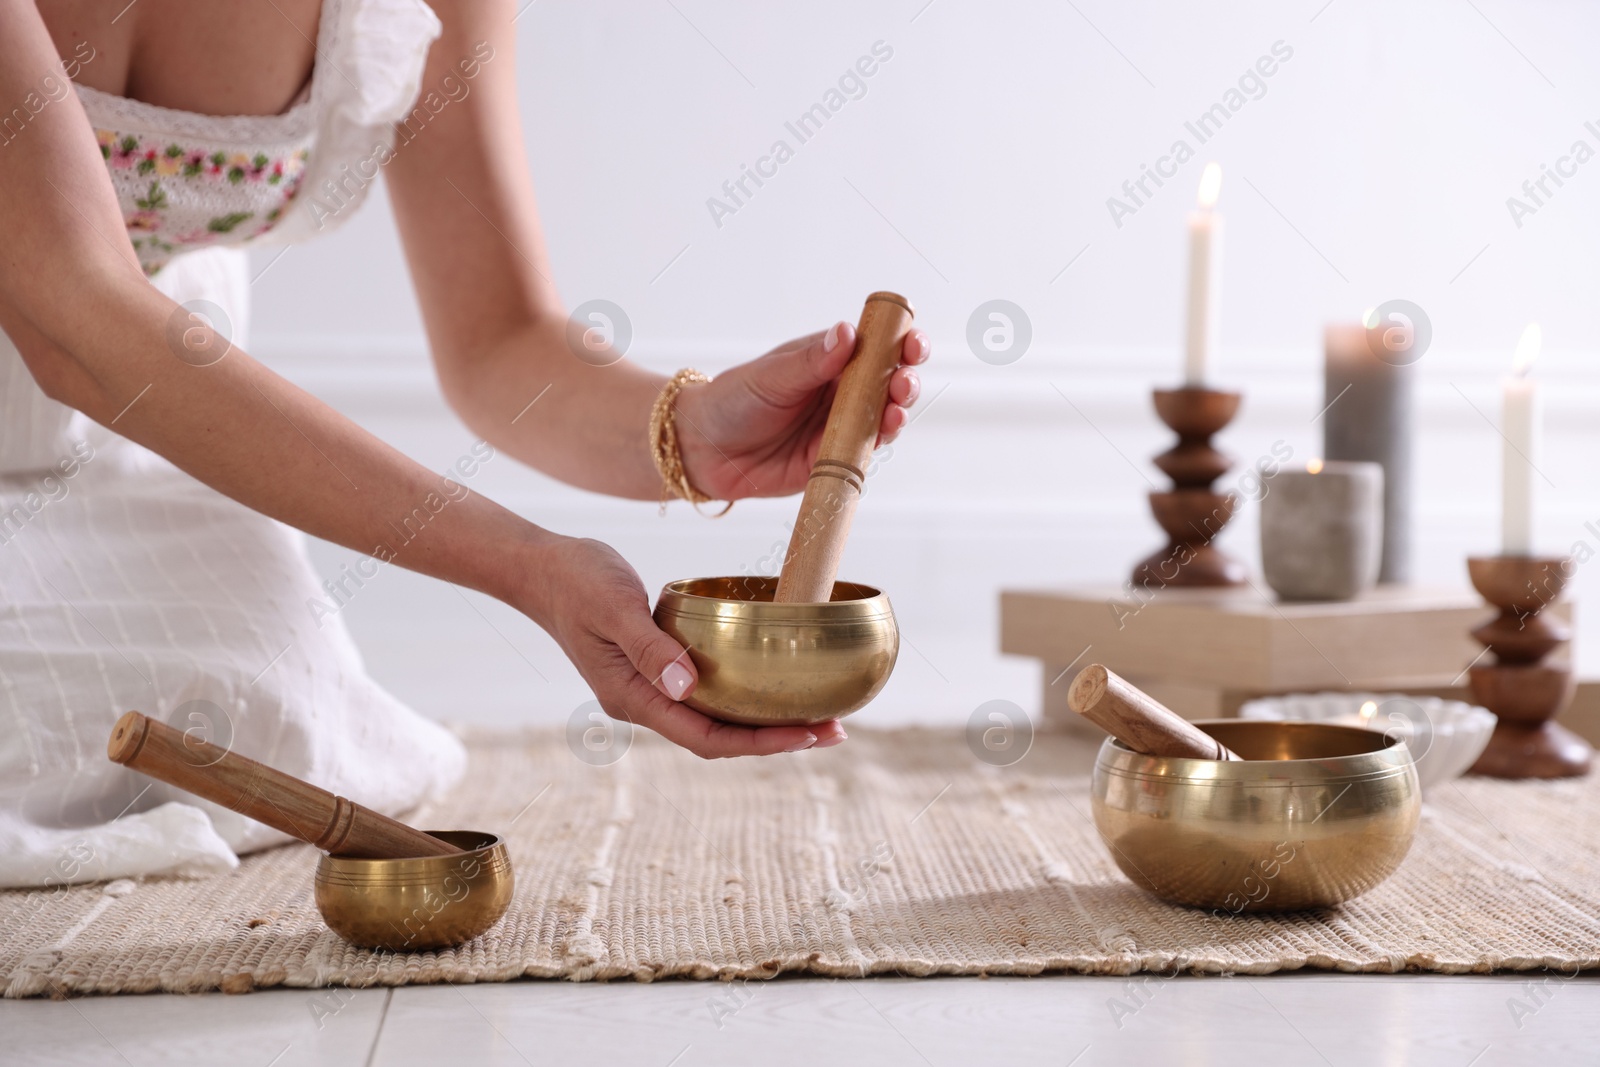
<point>664,448</point>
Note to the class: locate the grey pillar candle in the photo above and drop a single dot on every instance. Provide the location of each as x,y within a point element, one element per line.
<point>1322,530</point>
<point>1368,417</point>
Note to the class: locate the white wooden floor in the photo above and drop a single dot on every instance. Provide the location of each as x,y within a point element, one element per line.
<point>1313,1019</point>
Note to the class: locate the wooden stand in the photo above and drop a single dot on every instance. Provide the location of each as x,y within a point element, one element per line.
<point>1204,652</point>
<point>1519,687</point>
<point>1190,512</point>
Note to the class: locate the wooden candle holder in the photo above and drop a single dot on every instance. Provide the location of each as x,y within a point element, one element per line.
<point>1519,687</point>
<point>1190,513</point>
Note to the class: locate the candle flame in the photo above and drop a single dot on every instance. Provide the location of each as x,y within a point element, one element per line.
<point>1527,349</point>
<point>1368,710</point>
<point>1314,467</point>
<point>1210,186</point>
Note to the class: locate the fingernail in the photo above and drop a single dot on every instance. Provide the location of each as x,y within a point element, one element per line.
<point>831,342</point>
<point>925,345</point>
<point>810,740</point>
<point>836,739</point>
<point>914,390</point>
<point>676,678</point>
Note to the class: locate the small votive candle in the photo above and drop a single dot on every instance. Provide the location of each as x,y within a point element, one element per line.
<point>1322,530</point>
<point>1397,716</point>
<point>1366,717</point>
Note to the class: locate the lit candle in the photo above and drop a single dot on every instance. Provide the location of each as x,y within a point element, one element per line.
<point>1367,415</point>
<point>1205,277</point>
<point>1519,427</point>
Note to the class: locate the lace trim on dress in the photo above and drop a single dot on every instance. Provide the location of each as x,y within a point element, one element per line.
<point>107,111</point>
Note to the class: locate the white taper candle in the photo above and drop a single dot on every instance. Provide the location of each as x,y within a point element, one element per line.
<point>1519,428</point>
<point>1205,278</point>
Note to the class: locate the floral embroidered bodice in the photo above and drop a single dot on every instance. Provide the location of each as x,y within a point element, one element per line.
<point>187,181</point>
<point>207,184</point>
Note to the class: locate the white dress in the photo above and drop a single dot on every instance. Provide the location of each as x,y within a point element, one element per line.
<point>126,584</point>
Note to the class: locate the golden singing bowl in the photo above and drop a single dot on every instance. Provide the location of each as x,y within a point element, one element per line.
<point>767,664</point>
<point>412,905</point>
<point>1312,815</point>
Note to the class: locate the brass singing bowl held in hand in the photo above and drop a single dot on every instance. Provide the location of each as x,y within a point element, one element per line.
<point>1313,814</point>
<point>413,905</point>
<point>767,664</point>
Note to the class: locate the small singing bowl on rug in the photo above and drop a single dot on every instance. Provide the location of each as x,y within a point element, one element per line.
<point>1312,815</point>
<point>413,905</point>
<point>767,664</point>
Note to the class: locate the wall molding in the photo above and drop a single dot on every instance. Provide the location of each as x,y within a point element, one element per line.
<point>375,371</point>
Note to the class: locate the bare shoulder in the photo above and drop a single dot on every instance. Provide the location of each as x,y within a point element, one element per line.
<point>476,18</point>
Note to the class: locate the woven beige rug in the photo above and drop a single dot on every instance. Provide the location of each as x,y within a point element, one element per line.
<point>896,852</point>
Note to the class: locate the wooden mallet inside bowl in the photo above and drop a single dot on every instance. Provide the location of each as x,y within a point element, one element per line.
<point>1137,719</point>
<point>804,648</point>
<point>816,544</point>
<point>1241,815</point>
<point>382,883</point>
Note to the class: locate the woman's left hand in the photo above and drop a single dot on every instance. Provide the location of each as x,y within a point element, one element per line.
<point>755,430</point>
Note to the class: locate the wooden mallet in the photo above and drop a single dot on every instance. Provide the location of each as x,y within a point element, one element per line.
<point>1139,720</point>
<point>338,826</point>
<point>817,542</point>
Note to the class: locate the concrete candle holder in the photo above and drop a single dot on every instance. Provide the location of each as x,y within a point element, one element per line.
<point>1322,530</point>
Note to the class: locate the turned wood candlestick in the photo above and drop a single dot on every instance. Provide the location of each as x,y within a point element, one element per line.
<point>1191,513</point>
<point>1524,691</point>
<point>340,827</point>
<point>1139,720</point>
<point>817,542</point>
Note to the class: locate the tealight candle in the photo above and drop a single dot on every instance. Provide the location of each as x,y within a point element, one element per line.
<point>1399,715</point>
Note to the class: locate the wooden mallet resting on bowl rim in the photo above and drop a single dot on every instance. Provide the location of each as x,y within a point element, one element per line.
<point>1139,720</point>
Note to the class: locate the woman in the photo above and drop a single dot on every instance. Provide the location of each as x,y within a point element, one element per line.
<point>144,455</point>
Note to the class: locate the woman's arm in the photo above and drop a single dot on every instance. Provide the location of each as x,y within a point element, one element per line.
<point>96,336</point>
<point>464,202</point>
<point>465,205</point>
<point>466,209</point>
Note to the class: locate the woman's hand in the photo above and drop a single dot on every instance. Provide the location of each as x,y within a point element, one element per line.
<point>587,597</point>
<point>755,430</point>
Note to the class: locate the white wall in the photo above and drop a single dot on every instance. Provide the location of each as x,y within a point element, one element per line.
<point>1376,165</point>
